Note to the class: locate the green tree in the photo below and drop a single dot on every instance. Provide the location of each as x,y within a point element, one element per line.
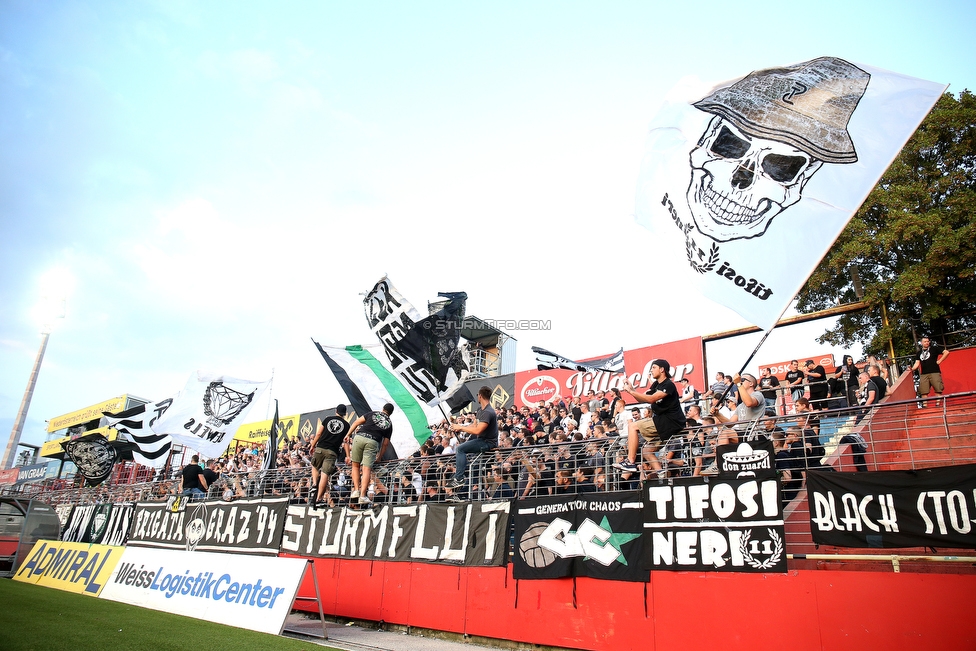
<point>911,244</point>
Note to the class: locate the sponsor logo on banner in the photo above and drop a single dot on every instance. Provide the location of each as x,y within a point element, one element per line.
<point>248,592</point>
<point>74,567</point>
<point>475,533</point>
<point>684,356</point>
<point>596,535</point>
<point>36,472</point>
<point>541,388</point>
<point>240,527</point>
<point>934,507</point>
<point>780,369</point>
<point>729,525</point>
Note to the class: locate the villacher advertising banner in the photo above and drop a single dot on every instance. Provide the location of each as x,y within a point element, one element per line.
<point>715,525</point>
<point>597,535</point>
<point>240,527</point>
<point>473,533</point>
<point>934,507</point>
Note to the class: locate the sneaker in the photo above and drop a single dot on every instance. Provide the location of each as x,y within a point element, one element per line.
<point>365,500</point>
<point>454,498</point>
<point>457,483</point>
<point>626,466</point>
<point>355,495</point>
<point>711,470</point>
<point>662,474</point>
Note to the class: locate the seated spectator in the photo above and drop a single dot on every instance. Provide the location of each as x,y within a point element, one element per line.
<point>584,480</point>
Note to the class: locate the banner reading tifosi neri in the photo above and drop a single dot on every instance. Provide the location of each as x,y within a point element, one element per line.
<point>474,533</point>
<point>934,507</point>
<point>240,527</point>
<point>725,525</point>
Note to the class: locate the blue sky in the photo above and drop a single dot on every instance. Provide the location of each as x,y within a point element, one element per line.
<point>221,180</point>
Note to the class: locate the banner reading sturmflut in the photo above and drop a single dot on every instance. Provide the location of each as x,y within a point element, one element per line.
<point>724,525</point>
<point>597,535</point>
<point>240,527</point>
<point>934,507</point>
<point>474,533</point>
<point>772,164</point>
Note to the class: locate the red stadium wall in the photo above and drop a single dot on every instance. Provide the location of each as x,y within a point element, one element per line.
<point>804,609</point>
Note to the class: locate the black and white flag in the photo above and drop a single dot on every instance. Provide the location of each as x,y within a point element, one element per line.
<point>547,359</point>
<point>271,452</point>
<point>934,507</point>
<point>207,412</point>
<point>136,424</point>
<point>424,352</point>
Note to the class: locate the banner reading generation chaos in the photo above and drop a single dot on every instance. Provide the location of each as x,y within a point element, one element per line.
<point>934,507</point>
<point>240,527</point>
<point>597,535</point>
<point>473,533</point>
<point>709,525</point>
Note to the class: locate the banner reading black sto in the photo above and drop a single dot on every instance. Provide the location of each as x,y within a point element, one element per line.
<point>933,507</point>
<point>708,525</point>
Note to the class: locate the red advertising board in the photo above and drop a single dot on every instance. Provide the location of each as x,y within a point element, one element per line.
<point>685,357</point>
<point>780,369</point>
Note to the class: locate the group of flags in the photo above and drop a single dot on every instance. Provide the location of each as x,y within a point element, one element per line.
<point>810,140</point>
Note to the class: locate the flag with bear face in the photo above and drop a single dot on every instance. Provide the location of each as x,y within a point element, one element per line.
<point>747,186</point>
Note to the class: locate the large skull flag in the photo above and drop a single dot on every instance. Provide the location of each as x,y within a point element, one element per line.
<point>750,183</point>
<point>771,132</point>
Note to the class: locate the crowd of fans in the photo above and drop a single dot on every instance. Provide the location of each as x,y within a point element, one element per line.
<point>562,446</point>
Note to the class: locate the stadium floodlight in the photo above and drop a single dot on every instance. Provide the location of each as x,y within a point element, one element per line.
<point>55,286</point>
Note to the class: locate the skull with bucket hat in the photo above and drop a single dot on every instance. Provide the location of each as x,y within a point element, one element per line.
<point>771,131</point>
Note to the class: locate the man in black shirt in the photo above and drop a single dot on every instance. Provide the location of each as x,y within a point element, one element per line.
<point>326,445</point>
<point>817,379</point>
<point>666,412</point>
<point>794,378</point>
<point>768,384</point>
<point>485,435</point>
<point>194,484</point>
<point>371,432</point>
<point>927,362</point>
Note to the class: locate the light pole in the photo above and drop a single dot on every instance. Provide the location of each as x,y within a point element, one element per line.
<point>53,308</point>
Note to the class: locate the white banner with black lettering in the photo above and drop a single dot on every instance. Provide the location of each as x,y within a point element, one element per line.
<point>473,533</point>
<point>251,592</point>
<point>240,527</point>
<point>934,507</point>
<point>709,525</point>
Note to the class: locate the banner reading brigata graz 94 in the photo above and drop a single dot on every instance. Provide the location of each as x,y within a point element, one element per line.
<point>240,527</point>
<point>724,525</point>
<point>934,507</point>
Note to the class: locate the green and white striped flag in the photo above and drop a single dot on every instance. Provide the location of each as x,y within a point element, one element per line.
<point>366,378</point>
